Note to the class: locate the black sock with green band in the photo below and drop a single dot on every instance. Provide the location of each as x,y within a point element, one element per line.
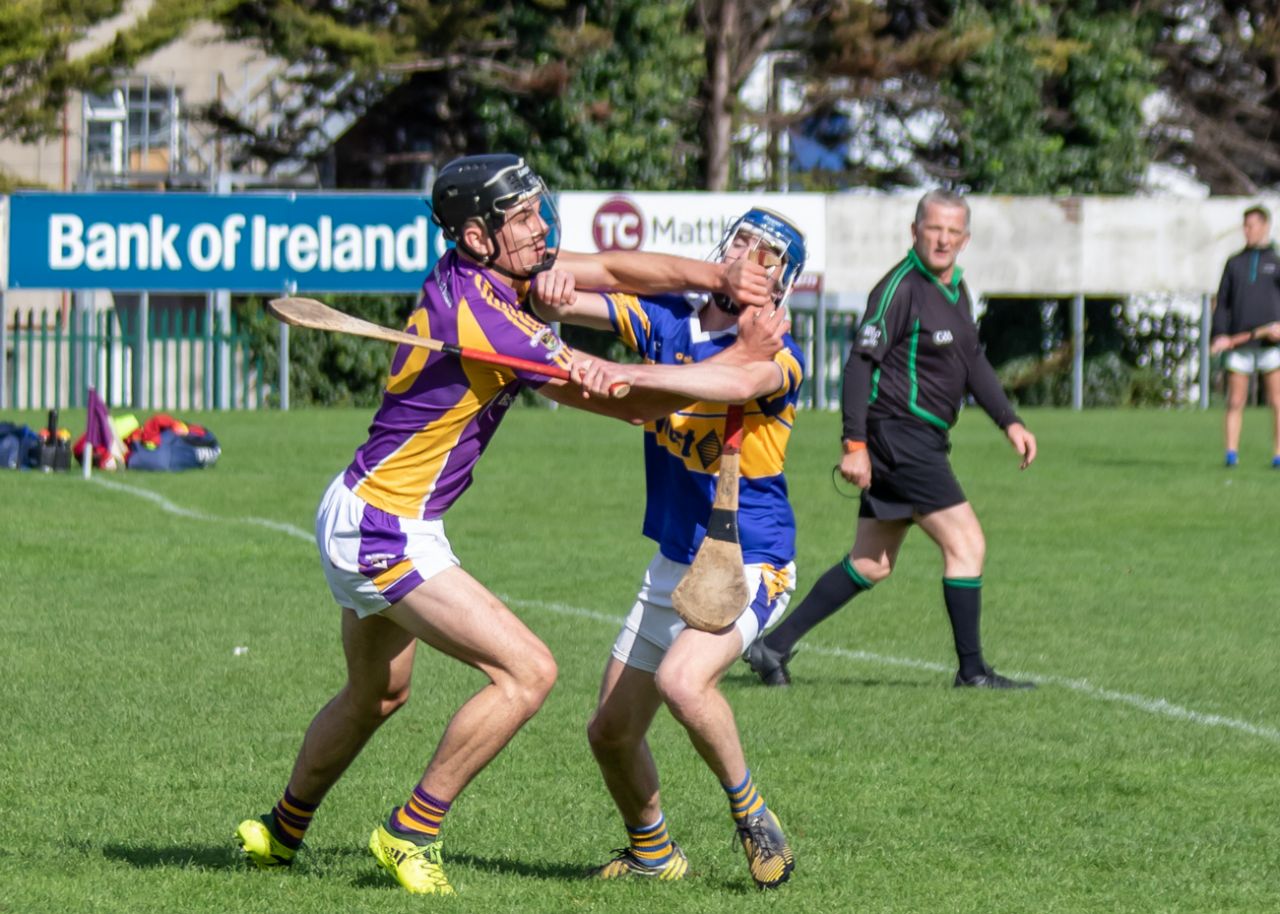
<point>964,605</point>
<point>837,586</point>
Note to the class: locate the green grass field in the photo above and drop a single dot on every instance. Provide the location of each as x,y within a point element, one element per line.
<point>1127,571</point>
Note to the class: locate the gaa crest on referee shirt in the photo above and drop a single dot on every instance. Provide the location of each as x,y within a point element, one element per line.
<point>942,338</point>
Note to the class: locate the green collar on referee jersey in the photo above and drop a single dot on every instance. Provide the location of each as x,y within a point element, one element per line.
<point>951,292</point>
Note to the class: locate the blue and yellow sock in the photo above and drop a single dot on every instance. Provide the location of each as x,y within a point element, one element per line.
<point>422,815</point>
<point>291,818</point>
<point>744,800</point>
<point>651,844</point>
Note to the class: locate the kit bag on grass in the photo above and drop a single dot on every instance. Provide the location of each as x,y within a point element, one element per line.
<point>167,444</point>
<point>19,447</point>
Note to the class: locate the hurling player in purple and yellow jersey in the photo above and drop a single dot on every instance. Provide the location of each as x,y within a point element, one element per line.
<point>380,525</point>
<point>657,659</point>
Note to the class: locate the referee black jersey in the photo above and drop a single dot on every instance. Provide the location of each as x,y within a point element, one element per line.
<point>920,343</point>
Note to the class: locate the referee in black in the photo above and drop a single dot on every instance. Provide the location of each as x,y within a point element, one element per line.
<point>916,355</point>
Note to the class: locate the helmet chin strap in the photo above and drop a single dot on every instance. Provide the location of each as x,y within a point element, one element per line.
<point>726,304</point>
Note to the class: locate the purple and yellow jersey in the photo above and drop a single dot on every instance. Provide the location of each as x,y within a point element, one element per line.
<point>439,412</point>
<point>682,451</point>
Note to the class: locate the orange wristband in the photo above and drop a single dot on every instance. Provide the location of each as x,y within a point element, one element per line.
<point>853,446</point>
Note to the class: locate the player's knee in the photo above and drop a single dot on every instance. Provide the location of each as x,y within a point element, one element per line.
<point>873,570</point>
<point>976,550</point>
<point>608,733</point>
<point>967,555</point>
<point>376,706</point>
<point>1236,400</point>
<point>532,682</point>
<point>682,692</point>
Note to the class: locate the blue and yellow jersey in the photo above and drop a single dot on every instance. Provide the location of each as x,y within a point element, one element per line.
<point>439,412</point>
<point>682,451</point>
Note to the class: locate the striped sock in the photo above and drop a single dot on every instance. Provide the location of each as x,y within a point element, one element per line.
<point>651,844</point>
<point>744,800</point>
<point>291,817</point>
<point>421,815</point>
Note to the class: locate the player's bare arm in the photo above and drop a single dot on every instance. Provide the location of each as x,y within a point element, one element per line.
<point>555,296</point>
<point>712,380</point>
<point>651,274</point>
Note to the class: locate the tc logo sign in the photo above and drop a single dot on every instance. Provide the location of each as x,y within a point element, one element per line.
<point>618,226</point>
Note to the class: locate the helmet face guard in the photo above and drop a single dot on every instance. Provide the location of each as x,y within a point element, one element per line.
<point>771,240</point>
<point>510,201</point>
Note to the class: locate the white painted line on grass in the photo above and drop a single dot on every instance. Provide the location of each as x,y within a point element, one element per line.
<point>1157,706</point>
<point>165,505</point>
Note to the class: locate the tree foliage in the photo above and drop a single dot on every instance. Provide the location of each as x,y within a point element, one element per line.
<point>37,74</point>
<point>1220,88</point>
<point>1050,101</point>
<point>625,116</point>
<point>1008,96</point>
<point>991,95</point>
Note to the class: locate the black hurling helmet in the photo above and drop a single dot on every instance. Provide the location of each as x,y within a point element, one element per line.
<point>485,187</point>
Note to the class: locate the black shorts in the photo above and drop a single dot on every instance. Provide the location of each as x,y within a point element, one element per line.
<point>910,472</point>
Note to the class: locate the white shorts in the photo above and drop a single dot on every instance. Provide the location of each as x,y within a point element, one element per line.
<point>652,625</point>
<point>1247,361</point>
<point>372,559</point>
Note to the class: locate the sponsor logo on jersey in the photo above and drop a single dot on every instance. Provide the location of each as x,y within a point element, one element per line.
<point>942,338</point>
<point>869,336</point>
<point>709,448</point>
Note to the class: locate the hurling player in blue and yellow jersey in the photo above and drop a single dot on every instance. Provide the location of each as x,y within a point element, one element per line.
<point>657,659</point>
<point>380,526</point>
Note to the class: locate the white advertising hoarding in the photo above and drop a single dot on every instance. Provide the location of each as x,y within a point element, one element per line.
<point>689,224</point>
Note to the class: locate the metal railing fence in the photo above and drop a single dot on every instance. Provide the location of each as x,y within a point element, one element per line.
<point>167,361</point>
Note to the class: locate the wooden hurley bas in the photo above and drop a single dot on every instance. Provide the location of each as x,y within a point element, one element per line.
<point>713,593</point>
<point>307,312</point>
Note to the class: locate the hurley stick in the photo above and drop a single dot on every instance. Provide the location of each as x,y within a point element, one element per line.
<point>713,593</point>
<point>307,312</point>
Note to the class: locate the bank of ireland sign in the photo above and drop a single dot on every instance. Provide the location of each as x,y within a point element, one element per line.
<point>241,242</point>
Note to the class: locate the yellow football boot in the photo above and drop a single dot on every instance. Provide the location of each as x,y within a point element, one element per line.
<point>260,845</point>
<point>415,866</point>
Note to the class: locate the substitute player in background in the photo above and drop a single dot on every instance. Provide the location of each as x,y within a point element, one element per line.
<point>1246,326</point>
<point>381,534</point>
<point>915,357</point>
<point>656,658</point>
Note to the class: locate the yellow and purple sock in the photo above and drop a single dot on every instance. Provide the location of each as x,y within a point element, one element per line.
<point>422,815</point>
<point>744,799</point>
<point>291,817</point>
<point>651,844</point>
